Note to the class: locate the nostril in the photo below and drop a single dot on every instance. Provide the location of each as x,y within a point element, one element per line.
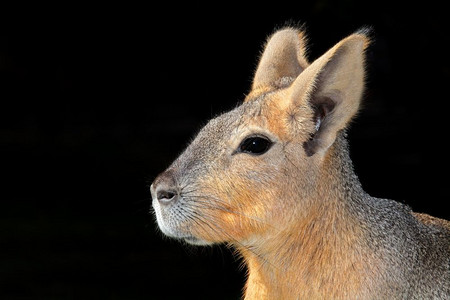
<point>166,196</point>
<point>164,188</point>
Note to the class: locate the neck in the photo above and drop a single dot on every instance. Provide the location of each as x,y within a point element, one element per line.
<point>318,254</point>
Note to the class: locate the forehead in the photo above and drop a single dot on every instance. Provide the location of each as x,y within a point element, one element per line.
<point>247,114</point>
<point>224,125</point>
<point>260,112</point>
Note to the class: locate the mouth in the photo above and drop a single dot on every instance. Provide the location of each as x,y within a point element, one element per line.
<point>195,241</point>
<point>171,230</point>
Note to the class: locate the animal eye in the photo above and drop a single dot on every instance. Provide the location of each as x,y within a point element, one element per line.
<point>255,145</point>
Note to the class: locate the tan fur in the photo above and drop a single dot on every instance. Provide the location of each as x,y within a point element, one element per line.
<point>297,213</point>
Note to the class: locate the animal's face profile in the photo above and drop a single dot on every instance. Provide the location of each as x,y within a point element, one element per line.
<point>226,185</point>
<point>253,169</point>
<point>274,179</point>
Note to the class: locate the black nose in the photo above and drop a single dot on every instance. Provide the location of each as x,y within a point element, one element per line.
<point>164,189</point>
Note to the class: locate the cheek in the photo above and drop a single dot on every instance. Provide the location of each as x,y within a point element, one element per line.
<point>265,197</point>
<point>244,202</point>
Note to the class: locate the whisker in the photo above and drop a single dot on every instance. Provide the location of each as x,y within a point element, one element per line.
<point>208,205</point>
<point>187,192</point>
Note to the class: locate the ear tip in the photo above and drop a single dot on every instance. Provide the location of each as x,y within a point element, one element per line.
<point>288,32</point>
<point>295,36</point>
<point>358,40</point>
<point>366,34</point>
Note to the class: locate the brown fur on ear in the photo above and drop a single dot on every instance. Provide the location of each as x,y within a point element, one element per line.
<point>332,86</point>
<point>283,57</point>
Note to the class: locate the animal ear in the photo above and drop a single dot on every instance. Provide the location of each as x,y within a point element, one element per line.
<point>283,56</point>
<point>332,85</point>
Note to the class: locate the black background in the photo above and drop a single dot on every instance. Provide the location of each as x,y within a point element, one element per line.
<point>96,100</point>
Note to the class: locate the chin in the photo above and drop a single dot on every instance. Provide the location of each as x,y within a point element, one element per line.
<point>196,241</point>
<point>173,232</point>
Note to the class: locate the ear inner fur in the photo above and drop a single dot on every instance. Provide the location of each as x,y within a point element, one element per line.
<point>323,107</point>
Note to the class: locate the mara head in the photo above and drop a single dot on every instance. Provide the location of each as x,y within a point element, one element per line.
<point>257,167</point>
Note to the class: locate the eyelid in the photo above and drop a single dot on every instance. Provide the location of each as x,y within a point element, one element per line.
<point>257,135</point>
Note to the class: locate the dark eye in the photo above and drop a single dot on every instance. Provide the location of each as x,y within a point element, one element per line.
<point>255,145</point>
